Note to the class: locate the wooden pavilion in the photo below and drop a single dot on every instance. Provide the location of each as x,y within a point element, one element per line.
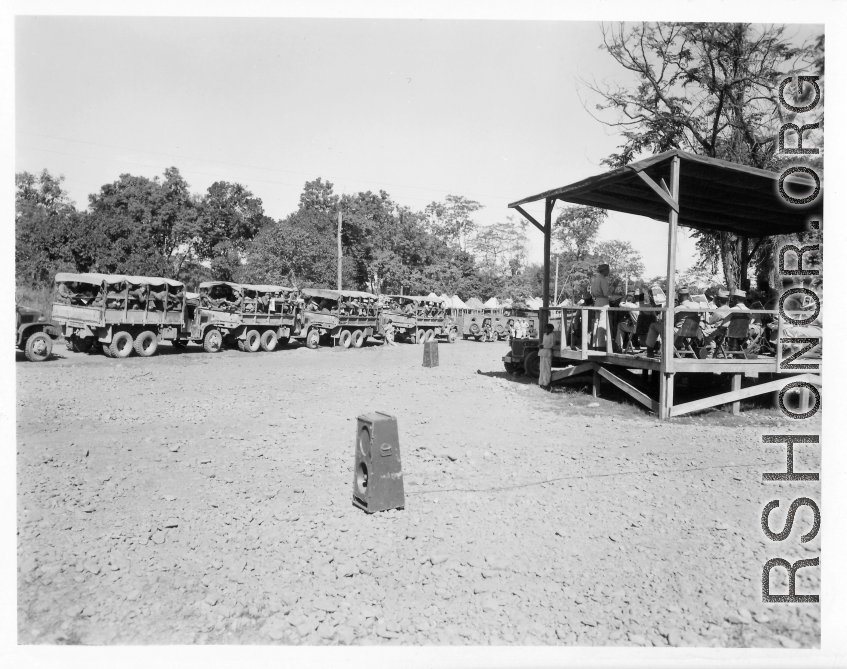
<point>696,192</point>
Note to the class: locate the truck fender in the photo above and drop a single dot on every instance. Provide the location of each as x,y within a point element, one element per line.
<point>104,335</point>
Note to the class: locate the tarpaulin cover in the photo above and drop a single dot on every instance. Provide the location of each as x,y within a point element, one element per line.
<point>97,279</point>
<point>335,294</point>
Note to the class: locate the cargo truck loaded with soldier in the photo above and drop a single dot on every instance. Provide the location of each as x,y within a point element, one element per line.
<point>120,313</point>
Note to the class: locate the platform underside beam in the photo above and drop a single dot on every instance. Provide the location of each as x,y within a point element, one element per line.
<point>559,374</point>
<point>744,393</point>
<point>629,389</point>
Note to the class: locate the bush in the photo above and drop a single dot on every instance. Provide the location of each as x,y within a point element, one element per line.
<point>36,297</point>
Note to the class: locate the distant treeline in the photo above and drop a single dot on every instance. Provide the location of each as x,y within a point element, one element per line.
<point>158,227</point>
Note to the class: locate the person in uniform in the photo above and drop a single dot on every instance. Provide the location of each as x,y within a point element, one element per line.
<point>627,324</point>
<point>115,298</point>
<point>137,296</point>
<point>716,322</point>
<point>600,294</point>
<point>545,355</point>
<point>175,297</point>
<point>65,293</point>
<point>157,298</point>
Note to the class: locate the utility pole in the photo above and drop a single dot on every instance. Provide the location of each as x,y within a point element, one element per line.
<point>339,249</point>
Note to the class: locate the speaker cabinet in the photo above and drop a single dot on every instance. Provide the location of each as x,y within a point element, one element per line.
<point>378,474</point>
<point>430,356</point>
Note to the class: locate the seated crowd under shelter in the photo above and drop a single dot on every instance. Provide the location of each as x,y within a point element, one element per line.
<point>715,324</point>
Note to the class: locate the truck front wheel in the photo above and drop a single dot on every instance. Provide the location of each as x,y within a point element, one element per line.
<point>212,341</point>
<point>532,364</point>
<point>313,339</point>
<point>38,347</point>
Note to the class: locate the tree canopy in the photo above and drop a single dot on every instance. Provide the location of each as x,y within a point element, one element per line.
<point>711,89</point>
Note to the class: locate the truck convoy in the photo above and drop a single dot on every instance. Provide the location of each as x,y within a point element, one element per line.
<point>119,314</point>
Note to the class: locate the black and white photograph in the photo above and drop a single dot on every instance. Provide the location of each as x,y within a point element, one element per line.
<point>495,334</point>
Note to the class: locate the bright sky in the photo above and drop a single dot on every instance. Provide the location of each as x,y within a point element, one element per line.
<point>486,109</point>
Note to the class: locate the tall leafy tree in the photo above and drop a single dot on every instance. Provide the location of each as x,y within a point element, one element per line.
<point>50,234</point>
<point>708,88</point>
<point>143,223</point>
<point>230,216</point>
<point>452,220</point>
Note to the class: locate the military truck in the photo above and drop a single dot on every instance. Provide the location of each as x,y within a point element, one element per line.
<point>244,316</point>
<point>522,357</point>
<point>34,335</point>
<point>121,313</point>
<point>487,324</point>
<point>338,318</point>
<point>422,319</point>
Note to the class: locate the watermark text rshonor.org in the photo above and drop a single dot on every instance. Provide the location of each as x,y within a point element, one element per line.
<point>807,341</point>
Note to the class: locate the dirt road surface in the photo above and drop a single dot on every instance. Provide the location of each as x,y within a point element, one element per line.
<point>198,498</point>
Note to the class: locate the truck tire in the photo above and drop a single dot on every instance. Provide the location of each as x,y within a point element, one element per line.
<point>431,335</point>
<point>344,338</point>
<point>313,339</point>
<point>252,341</point>
<point>105,349</point>
<point>269,341</point>
<point>146,343</point>
<point>121,346</point>
<point>357,339</point>
<point>532,364</point>
<point>420,336</point>
<point>213,341</point>
<point>38,347</point>
<point>474,329</point>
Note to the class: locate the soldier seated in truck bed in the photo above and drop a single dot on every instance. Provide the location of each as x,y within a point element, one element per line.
<point>156,299</point>
<point>137,296</point>
<point>175,298</point>
<point>116,297</point>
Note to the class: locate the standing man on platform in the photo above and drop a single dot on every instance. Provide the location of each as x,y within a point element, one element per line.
<point>545,357</point>
<point>600,293</point>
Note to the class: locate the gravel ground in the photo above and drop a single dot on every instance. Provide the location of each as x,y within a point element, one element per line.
<point>196,498</point>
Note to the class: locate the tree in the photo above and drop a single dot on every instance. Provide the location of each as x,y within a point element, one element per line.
<point>708,88</point>
<point>229,217</point>
<point>501,248</point>
<point>50,235</point>
<point>143,223</point>
<point>575,230</point>
<point>451,220</point>
<point>295,251</point>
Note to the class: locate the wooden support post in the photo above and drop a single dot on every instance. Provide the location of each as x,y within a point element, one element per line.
<point>736,386</point>
<point>666,380</point>
<point>595,383</point>
<point>548,231</point>
<point>584,333</point>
